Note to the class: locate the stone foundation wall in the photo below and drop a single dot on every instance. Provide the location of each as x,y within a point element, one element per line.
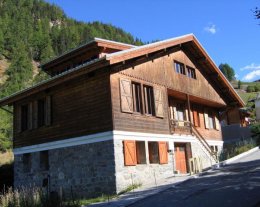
<point>88,170</point>
<point>197,151</point>
<point>141,173</point>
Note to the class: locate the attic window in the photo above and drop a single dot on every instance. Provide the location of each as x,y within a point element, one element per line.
<point>179,67</point>
<point>191,72</point>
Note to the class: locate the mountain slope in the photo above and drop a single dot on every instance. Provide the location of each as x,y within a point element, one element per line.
<point>33,31</point>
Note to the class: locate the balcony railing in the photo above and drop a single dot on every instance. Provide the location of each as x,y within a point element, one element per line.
<point>178,126</point>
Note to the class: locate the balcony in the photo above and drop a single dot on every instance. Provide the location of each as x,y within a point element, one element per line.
<point>180,127</point>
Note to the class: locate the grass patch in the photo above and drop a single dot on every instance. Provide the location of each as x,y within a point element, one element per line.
<point>103,198</point>
<point>247,96</point>
<point>36,197</point>
<point>130,188</point>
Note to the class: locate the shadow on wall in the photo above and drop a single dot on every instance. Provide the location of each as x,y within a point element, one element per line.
<point>6,176</point>
<point>235,132</point>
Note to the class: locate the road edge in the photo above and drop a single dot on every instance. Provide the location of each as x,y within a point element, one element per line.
<point>228,161</point>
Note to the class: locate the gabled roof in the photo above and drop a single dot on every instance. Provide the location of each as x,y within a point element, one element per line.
<point>94,44</point>
<point>188,43</point>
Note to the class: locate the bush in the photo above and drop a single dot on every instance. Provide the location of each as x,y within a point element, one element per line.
<point>232,149</point>
<point>257,88</point>
<point>255,130</point>
<point>250,89</point>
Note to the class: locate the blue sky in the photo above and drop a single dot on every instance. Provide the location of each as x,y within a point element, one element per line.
<point>226,29</point>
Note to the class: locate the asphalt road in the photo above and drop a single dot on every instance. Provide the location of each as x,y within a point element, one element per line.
<point>237,184</point>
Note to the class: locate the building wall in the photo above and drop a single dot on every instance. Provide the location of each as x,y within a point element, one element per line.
<point>160,72</point>
<point>80,107</point>
<point>257,109</point>
<point>141,173</point>
<point>89,170</point>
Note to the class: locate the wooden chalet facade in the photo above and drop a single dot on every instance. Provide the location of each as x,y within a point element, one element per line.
<point>113,112</point>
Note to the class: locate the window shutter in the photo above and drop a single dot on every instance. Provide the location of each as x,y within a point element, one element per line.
<point>186,115</point>
<point>35,114</point>
<point>18,119</point>
<point>206,119</point>
<point>163,154</point>
<point>126,96</point>
<point>130,153</point>
<point>48,111</point>
<point>30,115</point>
<point>217,122</point>
<point>158,99</point>
<point>196,118</point>
<point>175,113</point>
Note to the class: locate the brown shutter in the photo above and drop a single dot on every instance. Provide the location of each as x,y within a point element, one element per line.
<point>30,115</point>
<point>130,152</point>
<point>158,98</point>
<point>18,119</point>
<point>48,111</point>
<point>196,118</point>
<point>126,96</point>
<point>206,119</point>
<point>163,154</point>
<point>35,114</point>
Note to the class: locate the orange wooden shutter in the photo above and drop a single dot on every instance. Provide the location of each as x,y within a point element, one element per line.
<point>126,95</point>
<point>196,118</point>
<point>130,152</point>
<point>158,98</point>
<point>163,154</point>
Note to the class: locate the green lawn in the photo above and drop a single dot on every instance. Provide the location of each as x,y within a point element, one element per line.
<point>247,96</point>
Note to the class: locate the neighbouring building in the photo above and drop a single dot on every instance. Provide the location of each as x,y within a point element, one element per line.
<point>114,113</point>
<point>257,107</point>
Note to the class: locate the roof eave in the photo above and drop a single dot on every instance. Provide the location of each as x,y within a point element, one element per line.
<point>68,75</point>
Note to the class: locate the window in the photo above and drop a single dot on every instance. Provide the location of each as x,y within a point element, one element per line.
<point>27,162</point>
<point>41,112</point>
<point>180,110</point>
<point>179,68</point>
<point>153,152</point>
<point>149,100</point>
<point>34,114</point>
<point>140,152</point>
<point>191,72</point>
<point>44,160</point>
<point>24,117</point>
<point>137,98</point>
<point>135,152</point>
<point>211,120</point>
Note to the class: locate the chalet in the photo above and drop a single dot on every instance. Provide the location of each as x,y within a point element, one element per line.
<point>112,114</point>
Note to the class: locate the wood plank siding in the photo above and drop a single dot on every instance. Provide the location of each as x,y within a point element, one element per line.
<point>79,107</point>
<point>160,72</point>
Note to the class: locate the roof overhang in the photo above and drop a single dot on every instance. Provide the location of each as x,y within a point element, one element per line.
<point>188,43</point>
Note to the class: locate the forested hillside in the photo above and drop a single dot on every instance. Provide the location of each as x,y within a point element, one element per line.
<point>31,32</point>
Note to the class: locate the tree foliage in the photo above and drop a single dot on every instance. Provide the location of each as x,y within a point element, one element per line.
<point>228,71</point>
<point>257,13</point>
<point>33,30</point>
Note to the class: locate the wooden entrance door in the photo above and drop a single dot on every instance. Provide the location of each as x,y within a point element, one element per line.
<point>180,157</point>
